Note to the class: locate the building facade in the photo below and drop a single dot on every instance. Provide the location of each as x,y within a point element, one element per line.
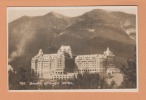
<point>59,65</point>
<point>51,66</point>
<point>91,63</point>
<point>96,63</point>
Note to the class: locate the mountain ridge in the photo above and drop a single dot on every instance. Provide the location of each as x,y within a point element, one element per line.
<point>88,33</point>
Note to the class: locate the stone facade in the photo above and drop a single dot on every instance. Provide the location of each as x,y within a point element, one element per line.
<point>55,66</point>
<point>96,63</point>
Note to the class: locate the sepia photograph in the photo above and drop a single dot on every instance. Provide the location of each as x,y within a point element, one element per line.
<point>74,48</point>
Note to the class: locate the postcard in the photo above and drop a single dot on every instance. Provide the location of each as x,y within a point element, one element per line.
<point>70,50</point>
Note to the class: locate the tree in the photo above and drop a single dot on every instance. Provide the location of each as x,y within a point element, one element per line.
<point>89,81</point>
<point>113,84</point>
<point>129,72</point>
<point>33,76</point>
<point>11,79</point>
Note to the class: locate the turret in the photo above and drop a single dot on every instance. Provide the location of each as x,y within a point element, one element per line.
<point>108,52</point>
<point>40,53</point>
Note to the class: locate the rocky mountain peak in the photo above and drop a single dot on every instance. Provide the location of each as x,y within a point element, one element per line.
<point>54,14</point>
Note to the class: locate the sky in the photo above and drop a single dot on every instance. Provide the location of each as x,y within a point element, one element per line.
<point>14,13</point>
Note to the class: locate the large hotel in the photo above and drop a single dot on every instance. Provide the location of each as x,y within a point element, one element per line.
<point>63,65</point>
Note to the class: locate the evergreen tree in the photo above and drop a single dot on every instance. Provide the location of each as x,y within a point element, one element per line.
<point>129,72</point>
<point>11,79</point>
<point>113,85</point>
<point>89,81</point>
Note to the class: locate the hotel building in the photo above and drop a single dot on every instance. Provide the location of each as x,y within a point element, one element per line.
<point>58,66</point>
<point>97,63</point>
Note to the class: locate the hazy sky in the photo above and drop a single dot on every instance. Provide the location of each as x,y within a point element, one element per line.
<point>16,12</point>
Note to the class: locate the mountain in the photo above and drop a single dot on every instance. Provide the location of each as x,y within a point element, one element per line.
<point>89,33</point>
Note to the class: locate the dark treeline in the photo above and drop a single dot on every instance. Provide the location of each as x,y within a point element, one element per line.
<point>22,79</point>
<point>83,81</point>
<point>129,71</point>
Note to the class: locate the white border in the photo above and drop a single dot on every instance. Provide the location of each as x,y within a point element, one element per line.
<point>78,90</point>
<point>137,56</point>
